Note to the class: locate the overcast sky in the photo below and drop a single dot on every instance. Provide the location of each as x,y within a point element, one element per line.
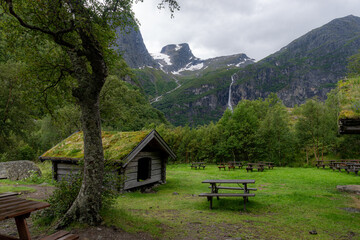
<point>257,28</point>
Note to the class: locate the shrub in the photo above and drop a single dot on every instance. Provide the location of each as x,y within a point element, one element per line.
<point>67,190</point>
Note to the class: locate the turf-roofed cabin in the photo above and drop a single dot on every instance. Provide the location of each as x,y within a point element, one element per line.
<point>349,96</point>
<point>140,157</point>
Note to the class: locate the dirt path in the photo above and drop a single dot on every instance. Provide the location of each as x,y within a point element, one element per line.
<point>8,227</point>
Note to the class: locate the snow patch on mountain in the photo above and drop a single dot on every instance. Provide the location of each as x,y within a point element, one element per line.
<point>189,67</point>
<point>162,56</point>
<point>178,47</point>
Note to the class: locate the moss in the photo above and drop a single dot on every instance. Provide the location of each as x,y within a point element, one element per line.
<point>117,145</point>
<point>349,94</point>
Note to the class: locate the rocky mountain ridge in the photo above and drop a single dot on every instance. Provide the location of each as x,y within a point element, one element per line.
<point>310,66</point>
<point>307,67</point>
<point>178,59</point>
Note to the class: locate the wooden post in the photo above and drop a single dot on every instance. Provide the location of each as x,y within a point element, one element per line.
<point>22,227</point>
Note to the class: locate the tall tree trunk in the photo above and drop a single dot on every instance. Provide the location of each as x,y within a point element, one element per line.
<point>307,156</point>
<point>87,205</point>
<point>315,153</point>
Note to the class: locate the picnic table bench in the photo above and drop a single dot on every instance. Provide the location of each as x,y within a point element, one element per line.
<point>324,163</point>
<point>353,167</point>
<point>61,235</point>
<point>269,164</point>
<point>12,206</point>
<point>231,165</point>
<point>222,166</point>
<point>238,164</point>
<point>216,185</point>
<point>197,165</point>
<point>258,166</point>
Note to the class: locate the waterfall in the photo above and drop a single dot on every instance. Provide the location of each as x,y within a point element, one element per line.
<point>229,101</point>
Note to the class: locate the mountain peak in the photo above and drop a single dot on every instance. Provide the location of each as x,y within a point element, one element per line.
<point>179,59</point>
<point>176,48</point>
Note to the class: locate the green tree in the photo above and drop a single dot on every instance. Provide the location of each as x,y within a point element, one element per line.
<point>15,115</point>
<point>354,65</point>
<point>237,131</point>
<point>276,144</point>
<point>81,31</point>
<point>316,127</point>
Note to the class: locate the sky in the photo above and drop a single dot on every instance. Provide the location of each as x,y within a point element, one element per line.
<point>257,28</point>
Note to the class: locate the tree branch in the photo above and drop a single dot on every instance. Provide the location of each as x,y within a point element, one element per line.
<point>57,36</point>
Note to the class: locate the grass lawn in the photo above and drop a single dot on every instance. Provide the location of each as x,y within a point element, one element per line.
<point>289,203</point>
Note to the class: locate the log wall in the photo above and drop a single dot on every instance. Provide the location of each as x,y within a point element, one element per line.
<point>130,173</point>
<point>64,170</point>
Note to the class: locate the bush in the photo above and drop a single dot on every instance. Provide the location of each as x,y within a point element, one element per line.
<point>25,152</point>
<point>67,190</point>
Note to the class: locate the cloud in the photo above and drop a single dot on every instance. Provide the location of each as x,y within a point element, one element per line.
<point>257,28</point>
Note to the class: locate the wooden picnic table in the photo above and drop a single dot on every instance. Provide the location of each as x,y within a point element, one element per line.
<point>269,164</point>
<point>259,166</point>
<point>12,206</point>
<point>216,184</point>
<point>323,163</point>
<point>353,167</point>
<point>222,165</point>
<point>197,165</point>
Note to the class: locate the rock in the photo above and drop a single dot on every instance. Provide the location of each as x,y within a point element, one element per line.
<point>17,170</point>
<point>349,188</point>
<point>351,210</point>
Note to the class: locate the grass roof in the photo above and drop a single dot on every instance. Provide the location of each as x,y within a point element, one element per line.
<point>349,92</point>
<point>117,145</point>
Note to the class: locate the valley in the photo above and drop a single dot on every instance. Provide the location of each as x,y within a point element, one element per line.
<point>308,67</point>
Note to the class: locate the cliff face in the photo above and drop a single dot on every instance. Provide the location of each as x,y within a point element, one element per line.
<point>309,66</point>
<point>131,46</point>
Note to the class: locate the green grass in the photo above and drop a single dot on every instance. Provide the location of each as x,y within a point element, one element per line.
<point>289,203</point>
<point>9,188</point>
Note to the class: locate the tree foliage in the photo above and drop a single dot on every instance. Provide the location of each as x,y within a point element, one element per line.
<point>71,42</point>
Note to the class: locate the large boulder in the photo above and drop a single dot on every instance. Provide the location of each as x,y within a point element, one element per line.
<point>17,170</point>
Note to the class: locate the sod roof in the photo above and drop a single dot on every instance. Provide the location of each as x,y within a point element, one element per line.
<point>349,92</point>
<point>116,145</point>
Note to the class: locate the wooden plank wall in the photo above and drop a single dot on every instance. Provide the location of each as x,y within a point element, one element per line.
<point>63,170</point>
<point>131,170</point>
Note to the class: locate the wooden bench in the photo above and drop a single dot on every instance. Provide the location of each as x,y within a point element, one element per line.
<point>248,168</point>
<point>61,235</point>
<point>197,165</point>
<point>260,168</point>
<point>238,164</point>
<point>353,167</point>
<point>231,166</point>
<point>211,195</point>
<point>222,165</point>
<point>235,188</point>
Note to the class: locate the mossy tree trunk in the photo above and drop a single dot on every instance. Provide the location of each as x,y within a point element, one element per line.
<point>87,205</point>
